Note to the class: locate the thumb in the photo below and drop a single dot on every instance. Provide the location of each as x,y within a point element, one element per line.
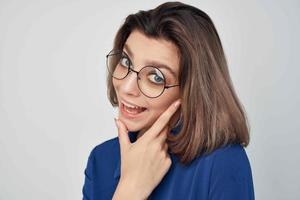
<point>123,135</point>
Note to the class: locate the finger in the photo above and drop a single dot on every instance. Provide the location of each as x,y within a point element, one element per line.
<point>123,135</point>
<point>162,121</point>
<point>162,136</point>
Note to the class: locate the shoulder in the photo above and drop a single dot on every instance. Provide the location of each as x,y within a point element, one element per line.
<point>230,153</point>
<point>103,158</point>
<point>230,161</point>
<point>100,168</point>
<point>105,148</point>
<point>110,149</point>
<point>231,175</point>
<point>231,158</point>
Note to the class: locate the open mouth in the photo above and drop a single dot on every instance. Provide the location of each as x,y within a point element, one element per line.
<point>130,110</point>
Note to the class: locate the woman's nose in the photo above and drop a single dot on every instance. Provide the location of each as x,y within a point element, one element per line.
<point>129,84</point>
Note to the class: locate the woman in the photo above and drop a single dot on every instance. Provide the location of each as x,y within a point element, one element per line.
<point>181,128</point>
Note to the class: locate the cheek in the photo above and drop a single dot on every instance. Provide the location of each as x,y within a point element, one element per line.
<point>115,86</point>
<point>160,105</point>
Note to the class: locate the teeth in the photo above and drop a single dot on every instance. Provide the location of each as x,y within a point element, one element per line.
<point>132,109</point>
<point>130,106</point>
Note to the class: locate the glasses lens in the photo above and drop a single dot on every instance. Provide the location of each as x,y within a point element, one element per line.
<point>117,64</point>
<point>151,81</point>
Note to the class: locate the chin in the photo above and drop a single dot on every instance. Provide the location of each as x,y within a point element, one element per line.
<point>131,125</point>
<point>135,124</point>
<point>133,128</point>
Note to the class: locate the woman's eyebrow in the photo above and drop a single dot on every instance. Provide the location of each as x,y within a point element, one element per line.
<point>160,65</point>
<point>153,63</point>
<point>126,47</point>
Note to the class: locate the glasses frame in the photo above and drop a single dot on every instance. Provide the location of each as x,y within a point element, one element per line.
<point>130,69</point>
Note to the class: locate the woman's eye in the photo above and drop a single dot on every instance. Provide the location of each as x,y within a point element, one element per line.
<point>125,62</point>
<point>155,78</point>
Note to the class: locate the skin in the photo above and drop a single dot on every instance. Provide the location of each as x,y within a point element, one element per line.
<point>144,50</point>
<point>145,162</point>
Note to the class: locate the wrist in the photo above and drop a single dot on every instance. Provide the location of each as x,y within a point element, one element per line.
<point>128,190</point>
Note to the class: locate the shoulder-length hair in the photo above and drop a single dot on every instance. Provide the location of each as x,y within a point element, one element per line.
<point>212,115</point>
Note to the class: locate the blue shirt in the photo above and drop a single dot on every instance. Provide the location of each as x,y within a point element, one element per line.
<point>224,174</point>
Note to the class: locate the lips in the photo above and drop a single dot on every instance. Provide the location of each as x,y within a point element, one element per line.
<point>131,110</point>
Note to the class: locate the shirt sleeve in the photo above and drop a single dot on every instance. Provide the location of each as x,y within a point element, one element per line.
<point>231,176</point>
<point>87,190</point>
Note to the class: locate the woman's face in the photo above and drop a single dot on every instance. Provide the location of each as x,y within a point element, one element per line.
<point>144,51</point>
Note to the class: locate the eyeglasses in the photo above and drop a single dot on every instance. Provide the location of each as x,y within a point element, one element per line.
<point>150,80</point>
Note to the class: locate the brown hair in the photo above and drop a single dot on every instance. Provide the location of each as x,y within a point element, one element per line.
<point>212,115</point>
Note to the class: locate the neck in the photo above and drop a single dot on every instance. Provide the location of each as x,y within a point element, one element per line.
<point>141,133</point>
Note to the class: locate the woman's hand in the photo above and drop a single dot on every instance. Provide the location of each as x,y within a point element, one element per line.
<point>145,162</point>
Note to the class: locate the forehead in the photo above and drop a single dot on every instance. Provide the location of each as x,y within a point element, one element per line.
<point>146,49</point>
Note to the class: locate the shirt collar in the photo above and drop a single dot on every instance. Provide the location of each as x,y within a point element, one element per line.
<point>133,137</point>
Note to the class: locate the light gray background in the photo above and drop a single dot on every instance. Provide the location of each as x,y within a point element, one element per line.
<point>53,105</point>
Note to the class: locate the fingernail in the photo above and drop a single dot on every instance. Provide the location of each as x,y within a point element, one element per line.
<point>177,103</point>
